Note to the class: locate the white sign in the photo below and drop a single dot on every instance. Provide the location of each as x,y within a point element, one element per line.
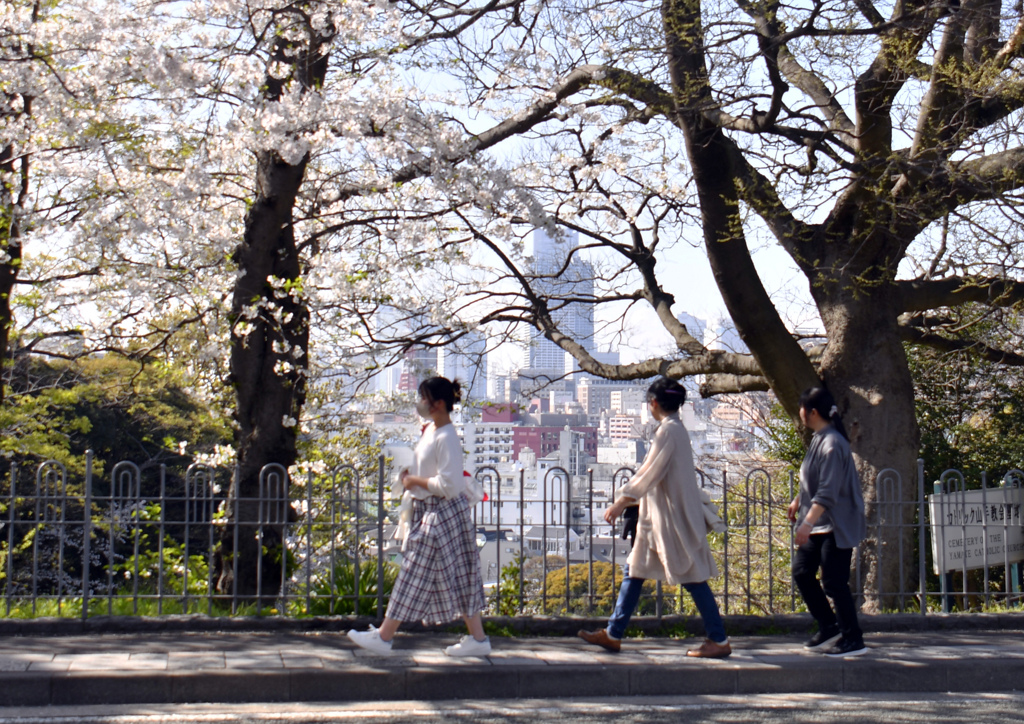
<point>976,528</point>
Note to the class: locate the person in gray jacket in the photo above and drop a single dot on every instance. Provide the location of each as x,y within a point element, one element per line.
<point>830,511</point>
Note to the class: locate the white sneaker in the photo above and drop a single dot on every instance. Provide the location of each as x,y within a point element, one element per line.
<point>469,646</point>
<point>371,641</point>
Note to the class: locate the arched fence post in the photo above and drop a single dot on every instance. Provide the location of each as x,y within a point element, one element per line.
<point>273,506</point>
<point>888,502</point>
<point>86,533</point>
<point>123,514</point>
<point>200,510</point>
<point>490,479</point>
<point>1013,479</point>
<point>51,495</point>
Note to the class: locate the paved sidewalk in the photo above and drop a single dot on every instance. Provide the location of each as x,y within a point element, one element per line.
<point>269,667</point>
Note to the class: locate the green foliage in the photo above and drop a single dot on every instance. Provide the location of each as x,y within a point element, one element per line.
<point>493,629</point>
<point>596,598</point>
<point>971,414</point>
<point>335,592</point>
<point>113,406</point>
<point>183,577</point>
<point>122,603</point>
<point>782,438</point>
<point>121,411</point>
<point>354,451</point>
<point>507,603</point>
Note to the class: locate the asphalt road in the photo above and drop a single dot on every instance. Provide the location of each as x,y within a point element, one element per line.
<point>996,708</point>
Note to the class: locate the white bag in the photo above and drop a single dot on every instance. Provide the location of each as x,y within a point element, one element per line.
<point>711,517</point>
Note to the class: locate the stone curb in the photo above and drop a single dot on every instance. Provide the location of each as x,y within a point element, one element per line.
<point>364,683</point>
<point>525,625</point>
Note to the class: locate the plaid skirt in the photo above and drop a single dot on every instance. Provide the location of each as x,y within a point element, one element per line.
<point>439,579</point>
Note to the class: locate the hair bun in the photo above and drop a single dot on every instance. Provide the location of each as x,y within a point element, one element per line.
<point>457,390</point>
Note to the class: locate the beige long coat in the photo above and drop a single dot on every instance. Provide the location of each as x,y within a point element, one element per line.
<point>671,534</point>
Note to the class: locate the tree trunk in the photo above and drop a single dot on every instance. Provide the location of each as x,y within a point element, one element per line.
<point>10,251</point>
<point>865,368</point>
<point>269,354</point>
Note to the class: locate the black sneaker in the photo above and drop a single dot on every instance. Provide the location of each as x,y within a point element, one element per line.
<point>845,649</point>
<point>823,639</point>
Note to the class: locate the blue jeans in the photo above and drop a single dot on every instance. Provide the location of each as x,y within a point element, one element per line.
<point>629,596</point>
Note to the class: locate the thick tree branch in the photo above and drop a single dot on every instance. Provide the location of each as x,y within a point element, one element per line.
<point>713,159</point>
<point>986,178</point>
<point>733,384</point>
<point>763,198</point>
<point>1011,48</point>
<point>876,87</point>
<point>990,354</point>
<point>978,179</point>
<point>944,99</point>
<point>925,295</point>
<point>816,89</point>
<point>869,12</point>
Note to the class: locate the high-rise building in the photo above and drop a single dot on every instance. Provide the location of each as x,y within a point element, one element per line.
<point>558,273</point>
<point>419,364</point>
<point>595,394</point>
<point>694,325</point>
<point>465,360</point>
<point>724,336</point>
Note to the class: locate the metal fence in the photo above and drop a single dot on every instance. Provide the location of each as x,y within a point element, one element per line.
<point>150,542</point>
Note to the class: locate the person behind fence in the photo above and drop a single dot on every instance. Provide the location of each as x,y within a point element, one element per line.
<point>671,537</point>
<point>439,579</point>
<point>830,511</point>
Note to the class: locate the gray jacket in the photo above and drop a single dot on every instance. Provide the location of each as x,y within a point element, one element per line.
<point>829,478</point>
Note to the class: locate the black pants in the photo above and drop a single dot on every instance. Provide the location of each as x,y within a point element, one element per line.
<point>821,551</point>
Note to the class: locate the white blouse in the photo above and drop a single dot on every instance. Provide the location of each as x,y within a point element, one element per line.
<point>439,460</point>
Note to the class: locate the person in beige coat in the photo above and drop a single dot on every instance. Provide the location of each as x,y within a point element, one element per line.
<point>671,538</point>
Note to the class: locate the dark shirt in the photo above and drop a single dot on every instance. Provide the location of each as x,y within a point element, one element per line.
<point>829,478</point>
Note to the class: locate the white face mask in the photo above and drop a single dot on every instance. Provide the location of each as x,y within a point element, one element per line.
<point>423,409</point>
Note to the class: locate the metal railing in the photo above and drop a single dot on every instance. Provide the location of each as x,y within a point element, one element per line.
<point>148,542</point>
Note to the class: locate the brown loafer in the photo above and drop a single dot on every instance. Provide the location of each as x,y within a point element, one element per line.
<point>602,639</point>
<point>710,650</point>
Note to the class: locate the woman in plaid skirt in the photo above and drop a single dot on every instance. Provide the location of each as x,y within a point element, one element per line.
<point>440,575</point>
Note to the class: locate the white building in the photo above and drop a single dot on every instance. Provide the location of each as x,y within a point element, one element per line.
<point>530,492</point>
<point>625,427</point>
<point>629,401</point>
<point>623,453</point>
<point>487,444</point>
<point>595,395</point>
